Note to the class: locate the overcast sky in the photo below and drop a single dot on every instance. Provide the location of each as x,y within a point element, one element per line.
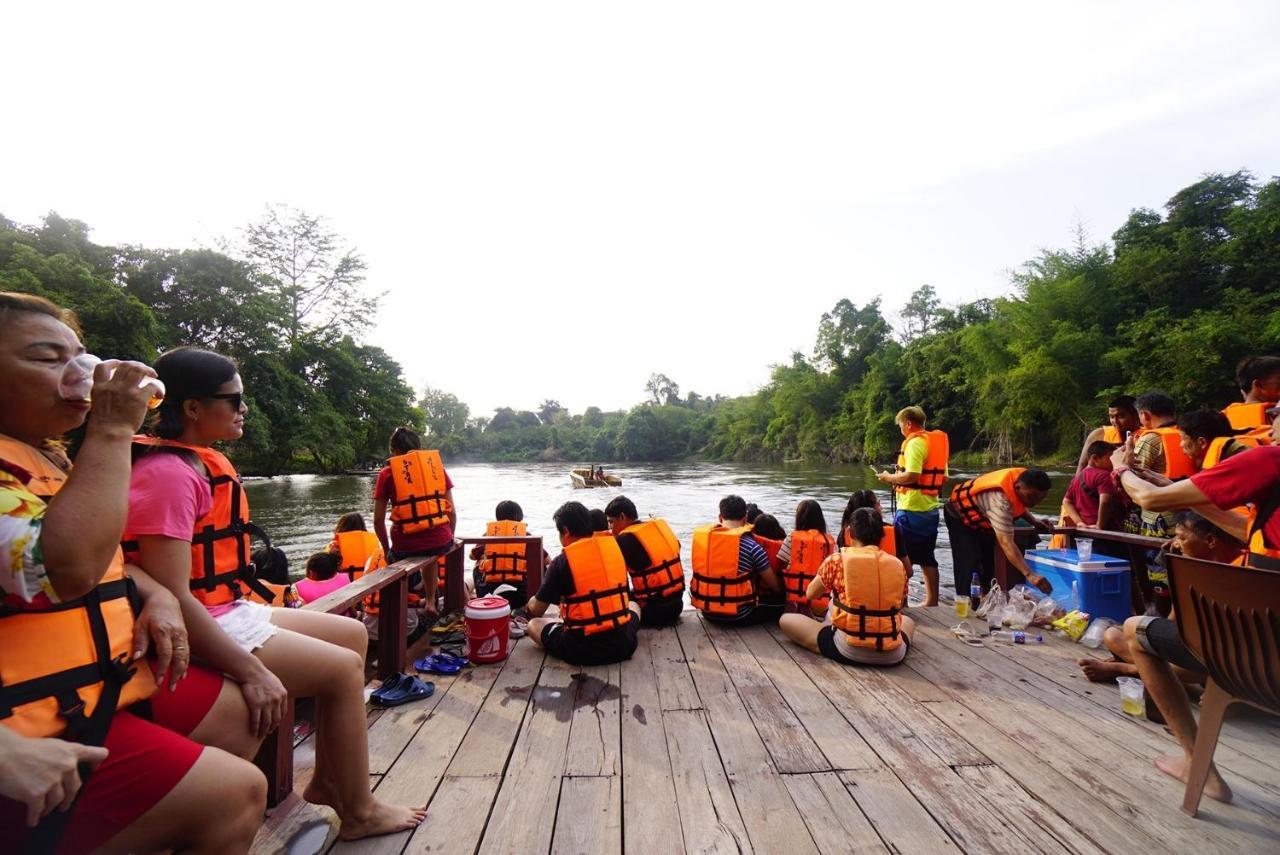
<point>562,198</point>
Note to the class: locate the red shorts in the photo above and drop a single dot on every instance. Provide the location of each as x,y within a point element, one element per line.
<point>145,762</point>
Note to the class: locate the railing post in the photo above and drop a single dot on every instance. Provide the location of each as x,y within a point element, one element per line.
<point>533,567</point>
<point>455,589</point>
<point>275,758</point>
<point>393,613</point>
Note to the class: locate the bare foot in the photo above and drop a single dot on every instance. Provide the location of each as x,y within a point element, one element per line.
<point>1177,765</point>
<point>1100,671</point>
<point>381,819</point>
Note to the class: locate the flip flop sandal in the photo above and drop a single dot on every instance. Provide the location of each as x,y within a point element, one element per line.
<point>403,690</point>
<point>964,632</point>
<point>440,663</point>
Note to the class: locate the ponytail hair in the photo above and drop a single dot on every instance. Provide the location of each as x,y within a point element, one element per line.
<point>866,527</point>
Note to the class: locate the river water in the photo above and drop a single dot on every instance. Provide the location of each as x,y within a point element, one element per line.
<point>299,511</point>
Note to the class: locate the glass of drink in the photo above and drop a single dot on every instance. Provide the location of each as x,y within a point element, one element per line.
<point>76,383</point>
<point>1084,548</point>
<point>962,606</point>
<point>1131,696</point>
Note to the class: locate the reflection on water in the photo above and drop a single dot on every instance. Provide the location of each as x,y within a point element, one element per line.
<point>299,511</point>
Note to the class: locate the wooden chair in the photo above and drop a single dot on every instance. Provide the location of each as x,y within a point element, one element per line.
<point>1229,617</point>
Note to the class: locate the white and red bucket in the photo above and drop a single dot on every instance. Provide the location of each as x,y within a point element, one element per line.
<point>488,629</point>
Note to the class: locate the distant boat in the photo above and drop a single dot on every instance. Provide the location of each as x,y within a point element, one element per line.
<point>585,477</point>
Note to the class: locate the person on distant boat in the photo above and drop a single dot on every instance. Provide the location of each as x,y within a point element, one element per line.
<point>980,517</point>
<point>652,554</point>
<point>917,483</point>
<point>598,622</point>
<point>599,473</point>
<point>801,552</point>
<point>733,582</point>
<point>1122,420</point>
<point>868,588</point>
<point>423,517</point>
<point>70,704</point>
<point>322,577</point>
<point>273,653</point>
<point>1091,498</point>
<point>1259,380</point>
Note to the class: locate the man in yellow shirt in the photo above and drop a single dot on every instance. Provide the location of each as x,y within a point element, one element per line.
<point>917,485</point>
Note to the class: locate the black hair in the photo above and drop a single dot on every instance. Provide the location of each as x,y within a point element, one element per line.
<point>1036,479</point>
<point>572,517</point>
<point>403,440</point>
<point>866,526</point>
<point>271,565</point>
<point>767,526</point>
<point>1254,368</point>
<point>350,522</point>
<point>508,510</point>
<point>1201,526</point>
<point>188,373</point>
<point>809,516</point>
<point>753,512</point>
<point>857,499</point>
<point>1157,404</point>
<point>322,566</point>
<point>599,522</point>
<point>620,506</point>
<point>1205,424</point>
<point>1127,403</point>
<point>733,508</point>
<point>1100,448</point>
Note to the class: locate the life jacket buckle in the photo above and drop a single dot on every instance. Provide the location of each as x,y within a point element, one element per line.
<point>72,713</point>
<point>122,669</point>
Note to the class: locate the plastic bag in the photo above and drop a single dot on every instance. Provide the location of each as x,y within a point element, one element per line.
<point>995,600</point>
<point>1047,611</point>
<point>1093,635</point>
<point>1073,623</point>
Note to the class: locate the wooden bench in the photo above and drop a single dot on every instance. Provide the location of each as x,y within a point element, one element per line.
<point>275,757</point>
<point>455,591</point>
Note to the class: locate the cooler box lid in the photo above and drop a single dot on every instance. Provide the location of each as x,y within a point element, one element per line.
<point>1069,559</point>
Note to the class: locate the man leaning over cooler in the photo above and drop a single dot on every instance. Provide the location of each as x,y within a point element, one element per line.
<point>980,514</point>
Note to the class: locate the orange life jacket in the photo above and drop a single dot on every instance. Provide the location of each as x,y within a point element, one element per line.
<point>718,587</point>
<point>963,496</point>
<point>888,541</point>
<point>599,600</point>
<point>1261,554</point>
<point>420,489</point>
<point>1176,463</point>
<point>868,609</point>
<point>221,571</point>
<point>771,548</point>
<point>65,668</point>
<point>1249,416</point>
<point>808,550</point>
<point>934,472</point>
<point>356,551</point>
<point>664,577</point>
<point>1111,434</point>
<point>1213,456</point>
<point>504,563</point>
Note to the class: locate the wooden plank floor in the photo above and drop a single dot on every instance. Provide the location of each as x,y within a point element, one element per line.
<point>734,740</point>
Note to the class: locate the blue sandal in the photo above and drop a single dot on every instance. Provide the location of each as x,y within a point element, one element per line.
<point>402,689</point>
<point>440,663</point>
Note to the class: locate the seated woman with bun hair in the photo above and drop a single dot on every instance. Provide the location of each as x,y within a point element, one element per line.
<point>183,502</point>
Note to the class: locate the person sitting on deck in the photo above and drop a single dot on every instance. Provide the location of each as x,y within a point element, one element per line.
<point>980,515</point>
<point>753,511</point>
<point>1207,438</point>
<point>769,533</point>
<point>598,622</point>
<point>1251,477</point>
<point>1194,536</point>
<point>1259,380</point>
<point>1122,420</point>
<point>499,564</point>
<point>868,590</point>
<point>423,515</point>
<point>322,577</point>
<point>890,543</point>
<point>733,582</point>
<point>1091,498</point>
<point>801,552</point>
<point>599,521</point>
<point>917,483</point>
<point>652,553</point>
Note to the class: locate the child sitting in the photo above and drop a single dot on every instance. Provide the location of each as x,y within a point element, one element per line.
<point>500,564</point>
<point>322,577</point>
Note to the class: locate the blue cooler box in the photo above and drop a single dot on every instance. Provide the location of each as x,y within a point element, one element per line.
<point>1103,581</point>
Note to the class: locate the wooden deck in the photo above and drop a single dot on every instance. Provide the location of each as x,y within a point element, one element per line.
<point>715,740</point>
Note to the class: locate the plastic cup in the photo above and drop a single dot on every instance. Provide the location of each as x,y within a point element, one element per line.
<point>962,607</point>
<point>1084,548</point>
<point>76,382</point>
<point>1131,696</point>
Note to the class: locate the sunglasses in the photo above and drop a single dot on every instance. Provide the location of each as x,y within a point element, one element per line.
<point>236,398</point>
